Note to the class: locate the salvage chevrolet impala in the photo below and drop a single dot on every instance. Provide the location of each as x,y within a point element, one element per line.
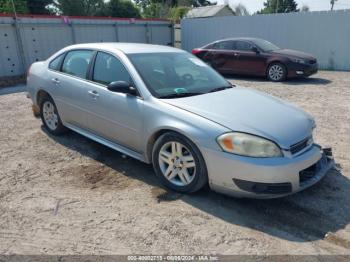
<point>164,106</point>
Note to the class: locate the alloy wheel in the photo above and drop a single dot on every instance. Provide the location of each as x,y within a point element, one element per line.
<point>177,163</point>
<point>50,115</point>
<point>276,72</point>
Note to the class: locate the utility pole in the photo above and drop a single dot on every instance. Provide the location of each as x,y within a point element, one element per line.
<point>332,4</point>
<point>19,38</point>
<point>277,5</point>
<point>14,9</point>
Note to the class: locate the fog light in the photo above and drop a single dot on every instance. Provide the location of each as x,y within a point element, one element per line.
<point>300,72</point>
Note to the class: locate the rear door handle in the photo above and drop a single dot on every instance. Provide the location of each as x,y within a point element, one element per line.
<point>93,93</point>
<point>235,54</point>
<point>55,81</point>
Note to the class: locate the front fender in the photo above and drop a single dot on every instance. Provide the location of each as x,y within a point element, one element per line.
<point>161,117</point>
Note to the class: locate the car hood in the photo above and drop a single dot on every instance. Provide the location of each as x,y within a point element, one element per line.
<point>250,111</point>
<point>293,53</point>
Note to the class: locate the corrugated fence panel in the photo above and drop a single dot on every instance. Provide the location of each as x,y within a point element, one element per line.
<point>40,41</point>
<point>134,33</point>
<point>323,34</point>
<point>85,33</point>
<point>161,35</point>
<point>10,64</point>
<point>38,37</point>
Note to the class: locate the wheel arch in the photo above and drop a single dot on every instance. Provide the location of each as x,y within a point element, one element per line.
<point>158,133</point>
<point>41,93</point>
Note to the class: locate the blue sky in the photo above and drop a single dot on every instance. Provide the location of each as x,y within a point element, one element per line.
<point>315,5</point>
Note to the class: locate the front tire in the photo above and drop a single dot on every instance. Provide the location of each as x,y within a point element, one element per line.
<point>178,163</point>
<point>276,72</point>
<point>50,117</point>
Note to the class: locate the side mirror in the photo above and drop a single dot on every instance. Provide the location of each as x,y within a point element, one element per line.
<point>255,49</point>
<point>122,87</point>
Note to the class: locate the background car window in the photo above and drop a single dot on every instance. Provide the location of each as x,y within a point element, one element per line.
<point>224,45</point>
<point>109,69</point>
<point>77,62</point>
<point>243,46</point>
<point>55,63</point>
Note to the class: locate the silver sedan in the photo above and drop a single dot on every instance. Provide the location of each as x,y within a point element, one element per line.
<point>163,106</point>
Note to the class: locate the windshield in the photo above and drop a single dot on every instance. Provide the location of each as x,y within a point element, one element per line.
<point>169,75</point>
<point>266,46</point>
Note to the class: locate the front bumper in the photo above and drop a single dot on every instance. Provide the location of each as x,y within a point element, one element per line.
<point>301,70</point>
<point>266,177</point>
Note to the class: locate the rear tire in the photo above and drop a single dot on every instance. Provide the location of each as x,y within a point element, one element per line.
<point>50,117</point>
<point>276,72</point>
<point>178,163</point>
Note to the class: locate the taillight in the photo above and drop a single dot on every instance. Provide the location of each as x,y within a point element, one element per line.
<point>196,51</point>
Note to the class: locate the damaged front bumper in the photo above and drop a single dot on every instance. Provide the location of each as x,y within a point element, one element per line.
<point>267,178</point>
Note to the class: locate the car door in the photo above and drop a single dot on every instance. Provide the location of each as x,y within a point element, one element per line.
<point>247,60</point>
<point>67,79</point>
<point>114,116</point>
<point>221,56</point>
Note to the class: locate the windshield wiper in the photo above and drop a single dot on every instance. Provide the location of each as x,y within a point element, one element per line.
<point>220,88</point>
<point>177,95</point>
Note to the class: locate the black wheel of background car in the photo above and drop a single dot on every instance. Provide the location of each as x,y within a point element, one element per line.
<point>50,117</point>
<point>178,163</point>
<point>276,72</point>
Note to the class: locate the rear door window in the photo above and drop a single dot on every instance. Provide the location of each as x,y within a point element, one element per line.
<point>77,62</point>
<point>223,45</point>
<point>243,46</point>
<point>56,63</point>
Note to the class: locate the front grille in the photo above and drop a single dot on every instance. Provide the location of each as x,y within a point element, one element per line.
<point>312,172</point>
<point>308,173</point>
<point>299,146</point>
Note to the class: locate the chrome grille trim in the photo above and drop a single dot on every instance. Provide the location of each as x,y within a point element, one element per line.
<point>297,147</point>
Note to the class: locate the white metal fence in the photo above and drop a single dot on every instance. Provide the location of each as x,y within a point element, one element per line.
<point>324,34</point>
<point>34,38</point>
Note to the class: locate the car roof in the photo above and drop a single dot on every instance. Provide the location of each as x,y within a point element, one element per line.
<point>239,38</point>
<point>127,48</point>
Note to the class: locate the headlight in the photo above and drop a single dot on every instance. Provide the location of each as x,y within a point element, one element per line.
<point>299,61</point>
<point>248,145</point>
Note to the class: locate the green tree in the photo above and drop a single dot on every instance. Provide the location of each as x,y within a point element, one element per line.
<point>305,8</point>
<point>177,13</point>
<point>120,8</point>
<point>7,7</point>
<point>279,6</point>
<point>39,7</point>
<point>332,4</point>
<point>240,10</point>
<point>167,8</point>
<point>198,3</point>
<point>77,7</point>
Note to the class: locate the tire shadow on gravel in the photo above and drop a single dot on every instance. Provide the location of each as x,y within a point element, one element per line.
<point>314,214</point>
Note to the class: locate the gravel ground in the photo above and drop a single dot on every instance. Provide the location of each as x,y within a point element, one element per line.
<point>69,195</point>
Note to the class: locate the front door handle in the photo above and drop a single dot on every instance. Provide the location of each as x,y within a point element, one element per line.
<point>93,93</point>
<point>55,81</point>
